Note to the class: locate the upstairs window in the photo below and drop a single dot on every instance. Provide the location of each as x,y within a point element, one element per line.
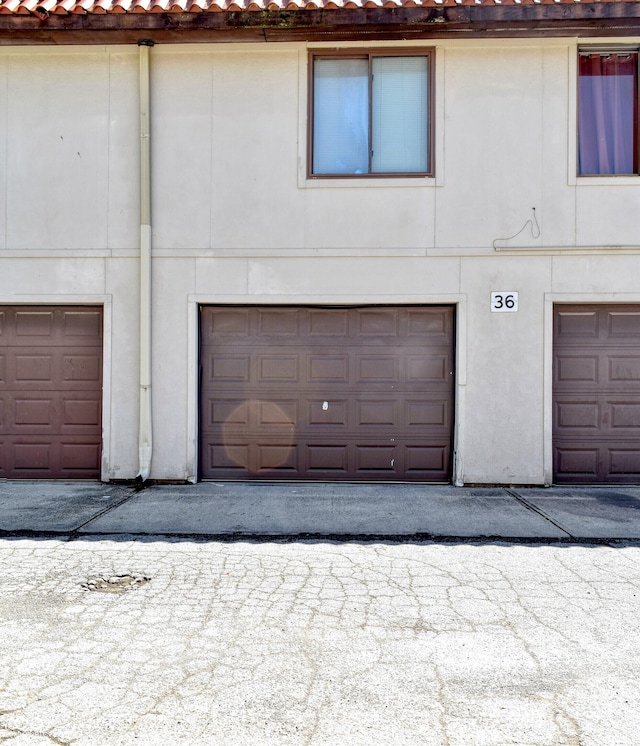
<point>371,114</point>
<point>607,112</point>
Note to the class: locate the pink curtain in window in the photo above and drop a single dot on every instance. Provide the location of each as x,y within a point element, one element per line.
<point>607,113</point>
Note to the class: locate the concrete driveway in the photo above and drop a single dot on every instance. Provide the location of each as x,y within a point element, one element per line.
<point>323,510</point>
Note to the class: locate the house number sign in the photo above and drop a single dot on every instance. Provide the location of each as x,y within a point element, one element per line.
<point>504,301</point>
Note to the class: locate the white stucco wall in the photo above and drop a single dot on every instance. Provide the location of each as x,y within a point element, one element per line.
<point>235,220</point>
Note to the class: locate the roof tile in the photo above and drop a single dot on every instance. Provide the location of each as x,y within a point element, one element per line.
<point>62,7</point>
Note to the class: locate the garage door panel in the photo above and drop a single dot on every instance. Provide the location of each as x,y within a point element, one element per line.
<point>226,459</point>
<point>377,322</point>
<point>34,324</point>
<point>328,323</point>
<point>280,366</point>
<point>54,412</point>
<point>34,369</point>
<point>624,369</point>
<point>276,368</point>
<point>433,324</point>
<point>375,458</point>
<point>277,412</point>
<point>602,415</point>
<point>430,413</point>
<point>376,368</point>
<point>608,464</point>
<point>325,460</point>
<point>78,458</point>
<point>234,321</point>
<point>625,415</point>
<point>577,414</point>
<point>588,371</point>
<point>596,396</point>
<point>232,411</point>
<point>432,369</point>
<point>81,367</point>
<point>625,324</point>
<point>236,458</point>
<point>376,413</point>
<point>34,457</point>
<point>572,370</point>
<point>50,369</point>
<point>575,326</point>
<point>276,457</point>
<point>53,327</point>
<point>83,326</point>
<point>327,368</point>
<point>577,462</point>
<point>311,393</point>
<point>426,460</point>
<point>325,413</point>
<point>227,368</point>
<point>331,460</point>
<point>51,392</point>
<point>53,458</point>
<point>307,415</point>
<point>29,412</point>
<point>79,414</point>
<point>279,322</point>
<point>248,413</point>
<point>624,462</point>
<point>34,414</point>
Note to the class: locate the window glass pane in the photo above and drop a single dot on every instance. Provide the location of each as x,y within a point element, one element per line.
<point>341,116</point>
<point>607,113</point>
<point>399,114</point>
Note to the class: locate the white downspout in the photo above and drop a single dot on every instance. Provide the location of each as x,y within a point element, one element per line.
<point>145,442</point>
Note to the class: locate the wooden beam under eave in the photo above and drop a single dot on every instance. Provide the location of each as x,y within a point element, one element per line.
<point>492,21</point>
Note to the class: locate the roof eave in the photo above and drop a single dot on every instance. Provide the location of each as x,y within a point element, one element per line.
<point>606,19</point>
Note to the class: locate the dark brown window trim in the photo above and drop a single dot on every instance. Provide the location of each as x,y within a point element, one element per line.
<point>369,53</point>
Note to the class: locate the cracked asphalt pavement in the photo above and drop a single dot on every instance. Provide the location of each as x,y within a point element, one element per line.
<point>156,641</point>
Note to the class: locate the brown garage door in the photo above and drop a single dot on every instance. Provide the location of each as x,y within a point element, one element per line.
<point>326,393</point>
<point>50,392</point>
<point>596,394</point>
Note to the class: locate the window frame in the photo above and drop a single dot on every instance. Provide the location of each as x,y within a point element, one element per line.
<point>588,49</point>
<point>369,53</point>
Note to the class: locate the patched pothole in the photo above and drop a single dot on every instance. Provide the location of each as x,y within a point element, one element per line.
<point>115,583</point>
